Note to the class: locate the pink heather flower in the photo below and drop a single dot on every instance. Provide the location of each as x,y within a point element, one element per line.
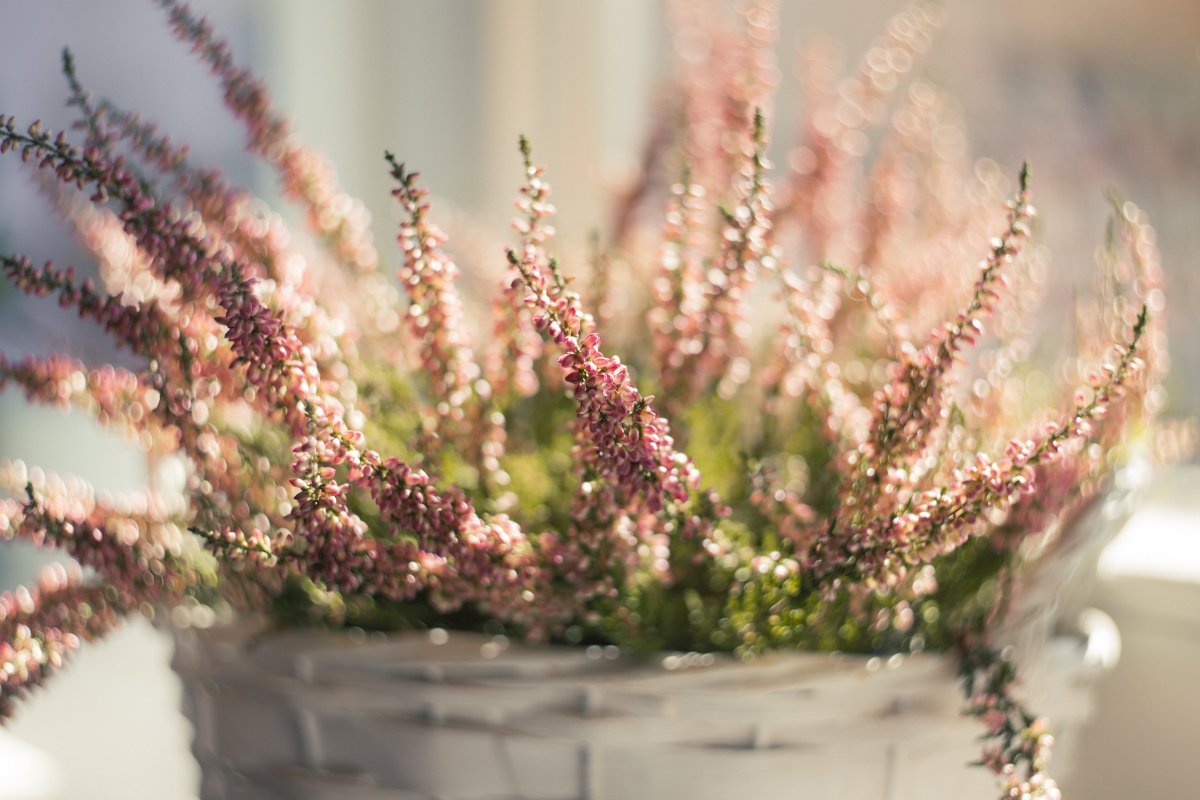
<point>435,315</point>
<point>676,316</point>
<point>457,555</point>
<point>307,177</point>
<point>201,357</point>
<point>718,328</point>
<point>803,370</point>
<point>276,377</point>
<point>726,75</point>
<point>142,328</point>
<point>286,379</point>
<point>511,364</point>
<point>1017,745</point>
<point>625,455</point>
<point>487,562</point>
<point>145,328</point>
<point>113,396</point>
<point>628,441</point>
<point>127,541</point>
<point>820,196</point>
<point>234,218</point>
<point>159,418</point>
<point>936,521</point>
<point>795,520</point>
<point>466,416</point>
<point>910,408</point>
<point>41,627</point>
<point>123,270</point>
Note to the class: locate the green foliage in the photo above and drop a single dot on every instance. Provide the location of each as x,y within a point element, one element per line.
<point>396,426</point>
<point>714,429</point>
<point>539,462</point>
<point>715,603</point>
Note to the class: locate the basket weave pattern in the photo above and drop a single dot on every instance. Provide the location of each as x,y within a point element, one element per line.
<point>324,715</point>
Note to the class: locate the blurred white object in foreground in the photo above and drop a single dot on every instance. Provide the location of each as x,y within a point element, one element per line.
<point>26,773</point>
<point>1142,743</point>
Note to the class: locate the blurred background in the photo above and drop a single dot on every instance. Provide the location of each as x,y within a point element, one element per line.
<point>1095,94</point>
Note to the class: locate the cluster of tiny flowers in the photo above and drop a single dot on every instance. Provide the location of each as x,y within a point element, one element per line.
<point>712,339</point>
<point>435,313</point>
<point>1018,744</point>
<point>359,440</point>
<point>128,541</point>
<point>307,178</point>
<point>679,302</point>
<point>888,469</point>
<point>512,362</point>
<point>115,397</point>
<point>41,626</point>
<point>633,448</point>
<point>463,408</point>
<point>231,217</point>
<point>823,189</point>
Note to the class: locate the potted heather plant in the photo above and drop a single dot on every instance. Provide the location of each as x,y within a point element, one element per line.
<point>860,481</point>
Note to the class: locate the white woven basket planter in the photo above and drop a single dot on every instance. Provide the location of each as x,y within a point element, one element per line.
<point>335,716</point>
